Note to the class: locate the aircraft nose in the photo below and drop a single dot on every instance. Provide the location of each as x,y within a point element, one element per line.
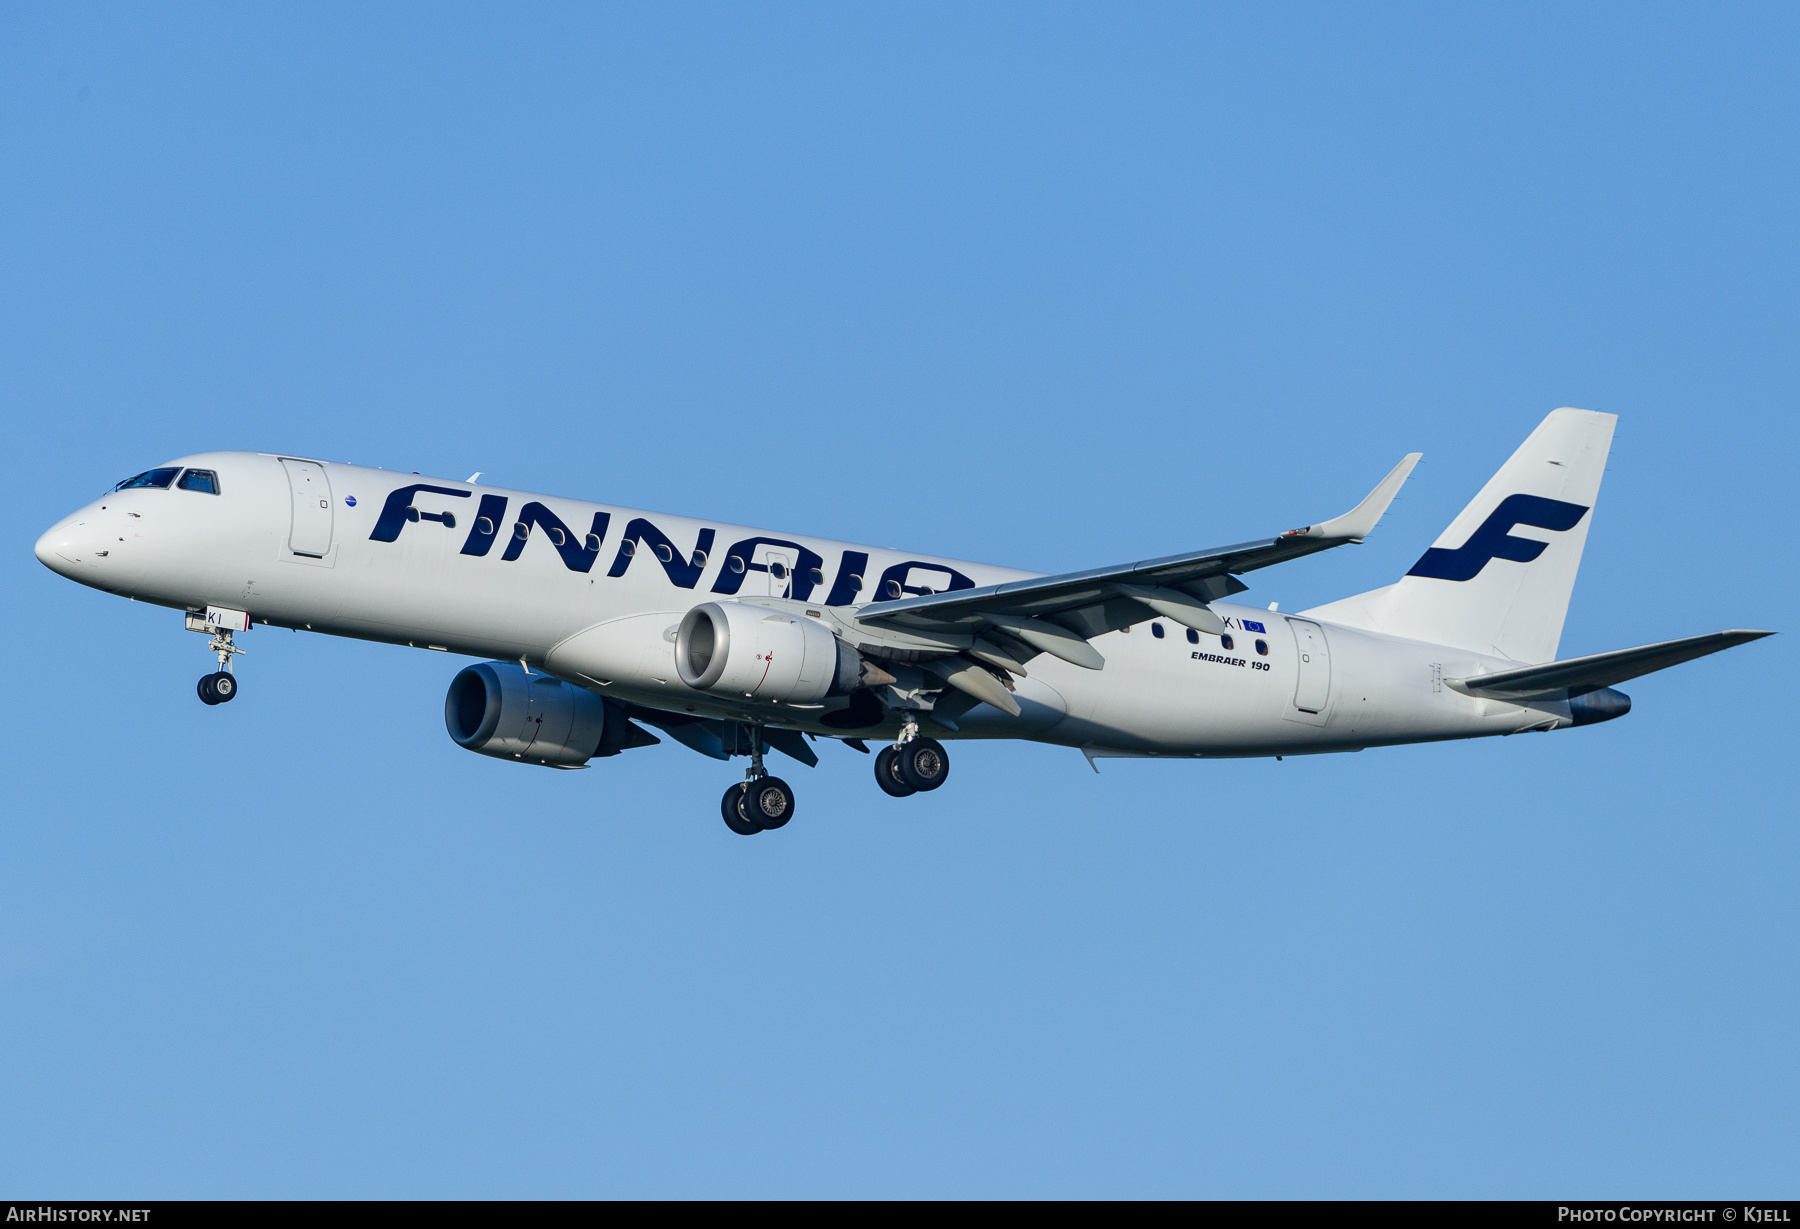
<point>60,548</point>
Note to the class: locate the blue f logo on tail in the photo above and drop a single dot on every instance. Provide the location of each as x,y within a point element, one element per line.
<point>1494,540</point>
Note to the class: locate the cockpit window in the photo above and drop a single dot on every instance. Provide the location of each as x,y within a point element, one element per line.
<point>158,478</point>
<point>200,480</point>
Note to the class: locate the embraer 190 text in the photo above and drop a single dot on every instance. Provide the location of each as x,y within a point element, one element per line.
<point>601,621</point>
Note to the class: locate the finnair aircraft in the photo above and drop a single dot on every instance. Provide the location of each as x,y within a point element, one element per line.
<point>600,621</point>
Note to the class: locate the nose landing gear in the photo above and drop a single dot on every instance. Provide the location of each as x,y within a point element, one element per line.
<point>220,686</point>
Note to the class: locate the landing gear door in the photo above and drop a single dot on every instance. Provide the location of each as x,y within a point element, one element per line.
<point>310,490</point>
<point>1312,681</point>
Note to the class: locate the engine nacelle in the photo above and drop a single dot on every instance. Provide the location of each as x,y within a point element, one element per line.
<point>497,709</point>
<point>736,649</point>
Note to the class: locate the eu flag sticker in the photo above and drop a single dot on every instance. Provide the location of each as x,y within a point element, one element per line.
<point>1255,627</point>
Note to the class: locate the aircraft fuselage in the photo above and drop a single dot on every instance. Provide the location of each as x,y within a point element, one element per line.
<point>592,594</point>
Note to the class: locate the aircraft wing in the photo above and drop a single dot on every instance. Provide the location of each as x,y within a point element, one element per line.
<point>1058,614</point>
<point>1556,679</point>
<point>719,740</point>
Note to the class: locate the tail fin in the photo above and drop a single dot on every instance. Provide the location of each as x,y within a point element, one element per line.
<point>1498,579</point>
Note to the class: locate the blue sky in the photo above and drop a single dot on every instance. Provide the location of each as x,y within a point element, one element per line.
<point>1043,286</point>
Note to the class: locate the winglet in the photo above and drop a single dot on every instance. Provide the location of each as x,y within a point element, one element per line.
<point>1359,522</point>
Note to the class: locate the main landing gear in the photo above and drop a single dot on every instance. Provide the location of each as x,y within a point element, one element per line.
<point>220,686</point>
<point>761,803</point>
<point>912,765</point>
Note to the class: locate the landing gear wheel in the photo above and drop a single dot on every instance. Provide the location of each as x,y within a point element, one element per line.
<point>887,774</point>
<point>769,802</point>
<point>217,688</point>
<point>923,764</point>
<point>731,807</point>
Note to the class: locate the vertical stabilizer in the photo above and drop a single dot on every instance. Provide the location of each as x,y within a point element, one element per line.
<point>1498,579</point>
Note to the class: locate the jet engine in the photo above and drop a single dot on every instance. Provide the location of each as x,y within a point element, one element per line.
<point>497,709</point>
<point>736,649</point>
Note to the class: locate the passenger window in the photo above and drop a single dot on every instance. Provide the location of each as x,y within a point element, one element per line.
<point>856,582</point>
<point>1156,630</point>
<point>556,536</point>
<point>1262,648</point>
<point>521,530</point>
<point>778,570</point>
<point>484,526</point>
<point>665,552</point>
<point>157,478</point>
<point>699,559</point>
<point>893,589</point>
<point>1193,636</point>
<point>1226,643</point>
<point>202,480</point>
<point>592,543</point>
<point>818,576</point>
<point>735,563</point>
<point>628,547</point>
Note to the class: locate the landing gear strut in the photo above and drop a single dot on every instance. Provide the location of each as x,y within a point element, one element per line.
<point>221,686</point>
<point>761,803</point>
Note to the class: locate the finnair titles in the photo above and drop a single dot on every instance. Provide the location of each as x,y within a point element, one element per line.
<point>602,624</point>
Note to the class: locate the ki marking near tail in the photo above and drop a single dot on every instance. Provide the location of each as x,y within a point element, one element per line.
<point>731,651</point>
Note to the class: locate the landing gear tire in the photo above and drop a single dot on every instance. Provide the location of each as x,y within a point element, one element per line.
<point>217,688</point>
<point>731,807</point>
<point>923,764</point>
<point>887,774</point>
<point>768,802</point>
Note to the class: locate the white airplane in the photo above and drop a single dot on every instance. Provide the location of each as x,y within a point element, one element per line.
<point>734,640</point>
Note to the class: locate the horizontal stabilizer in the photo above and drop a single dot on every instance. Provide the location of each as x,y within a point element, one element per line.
<point>1579,674</point>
